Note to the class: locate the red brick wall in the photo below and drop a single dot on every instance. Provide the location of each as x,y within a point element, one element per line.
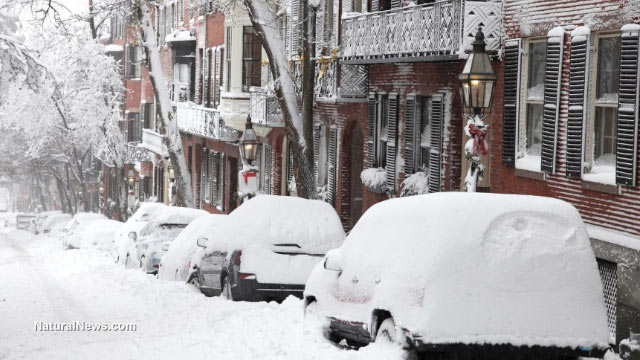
<point>527,19</point>
<point>215,29</point>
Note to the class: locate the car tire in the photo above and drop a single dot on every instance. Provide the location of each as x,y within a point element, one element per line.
<point>312,309</point>
<point>226,289</point>
<point>127,261</point>
<point>387,333</point>
<point>142,259</point>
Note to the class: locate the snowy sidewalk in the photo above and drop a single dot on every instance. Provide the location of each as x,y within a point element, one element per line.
<point>39,282</point>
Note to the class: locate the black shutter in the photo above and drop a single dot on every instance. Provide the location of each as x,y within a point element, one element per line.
<point>258,165</point>
<point>627,135</point>
<point>267,169</point>
<point>333,163</point>
<point>394,3</point>
<point>577,94</point>
<point>205,77</point>
<point>214,177</point>
<point>392,126</point>
<point>435,155</point>
<point>410,139</point>
<point>143,116</point>
<point>204,165</point>
<point>290,175</point>
<point>371,131</point>
<point>511,97</point>
<point>316,152</point>
<point>552,80</point>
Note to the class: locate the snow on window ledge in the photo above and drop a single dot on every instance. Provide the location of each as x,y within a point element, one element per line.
<point>603,171</point>
<point>529,163</point>
<point>375,179</point>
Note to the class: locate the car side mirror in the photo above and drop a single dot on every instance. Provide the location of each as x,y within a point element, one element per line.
<point>165,247</point>
<point>333,261</point>
<point>133,236</point>
<point>202,241</point>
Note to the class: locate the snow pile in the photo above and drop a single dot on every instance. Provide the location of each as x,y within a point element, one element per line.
<point>178,215</point>
<point>416,184</point>
<point>180,35</point>
<point>174,265</point>
<point>268,224</point>
<point>53,223</point>
<point>374,179</point>
<point>471,268</point>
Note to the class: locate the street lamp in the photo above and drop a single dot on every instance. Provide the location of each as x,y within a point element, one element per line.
<point>249,143</point>
<point>171,172</point>
<point>131,179</point>
<point>477,80</point>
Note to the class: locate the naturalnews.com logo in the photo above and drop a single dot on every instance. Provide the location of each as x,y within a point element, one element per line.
<point>83,326</point>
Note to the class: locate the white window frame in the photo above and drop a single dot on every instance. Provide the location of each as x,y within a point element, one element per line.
<point>589,146</point>
<point>521,143</point>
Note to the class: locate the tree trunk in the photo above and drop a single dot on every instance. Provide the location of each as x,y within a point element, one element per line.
<point>92,21</point>
<point>171,138</point>
<point>308,92</point>
<point>43,202</point>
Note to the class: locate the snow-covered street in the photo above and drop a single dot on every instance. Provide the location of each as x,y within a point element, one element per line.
<point>40,282</point>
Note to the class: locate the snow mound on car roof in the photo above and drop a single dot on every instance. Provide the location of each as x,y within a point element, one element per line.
<point>268,219</point>
<point>185,245</point>
<point>178,215</point>
<point>481,268</point>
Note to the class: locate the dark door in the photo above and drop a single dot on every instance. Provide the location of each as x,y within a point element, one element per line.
<point>233,183</point>
<point>357,158</point>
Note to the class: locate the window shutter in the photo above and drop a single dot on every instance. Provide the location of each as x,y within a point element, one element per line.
<point>290,177</point>
<point>143,111</point>
<point>435,155</point>
<point>140,123</point>
<point>371,130</point>
<point>205,77</point>
<point>333,163</point>
<point>577,94</point>
<point>375,5</point>
<point>214,177</point>
<point>627,133</point>
<point>392,125</point>
<point>316,151</point>
<point>221,181</point>
<point>267,169</point>
<point>510,104</point>
<point>410,135</point>
<point>296,26</point>
<point>204,165</point>
<point>395,3</point>
<point>320,41</point>
<point>258,165</point>
<point>553,75</point>
<point>220,68</point>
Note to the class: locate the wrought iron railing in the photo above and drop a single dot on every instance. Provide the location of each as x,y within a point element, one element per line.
<point>432,30</point>
<point>135,154</point>
<point>202,121</point>
<point>265,109</point>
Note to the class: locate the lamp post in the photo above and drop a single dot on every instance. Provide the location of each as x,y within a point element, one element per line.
<point>249,151</point>
<point>477,80</point>
<point>171,171</point>
<point>131,179</point>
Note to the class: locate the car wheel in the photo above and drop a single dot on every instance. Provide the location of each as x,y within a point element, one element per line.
<point>312,310</point>
<point>226,289</point>
<point>195,281</point>
<point>142,259</point>
<point>127,261</point>
<point>388,334</point>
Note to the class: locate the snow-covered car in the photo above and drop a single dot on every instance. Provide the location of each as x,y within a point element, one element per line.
<point>124,247</point>
<point>54,222</point>
<point>94,234</point>
<point>41,218</point>
<point>266,248</point>
<point>26,222</point>
<point>72,225</point>
<point>175,264</point>
<point>460,274</point>
<point>157,235</point>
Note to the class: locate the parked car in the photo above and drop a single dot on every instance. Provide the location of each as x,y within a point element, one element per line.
<point>72,225</point>
<point>266,248</point>
<point>25,222</point>
<point>124,247</point>
<point>157,235</point>
<point>464,275</point>
<point>41,218</point>
<point>95,233</point>
<point>175,264</point>
<point>54,223</point>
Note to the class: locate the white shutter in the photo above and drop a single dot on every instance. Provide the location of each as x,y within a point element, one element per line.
<point>392,126</point>
<point>205,77</point>
<point>316,152</point>
<point>214,177</point>
<point>219,69</point>
<point>627,133</point>
<point>551,112</point>
<point>510,104</point>
<point>258,165</point>
<point>411,133</point>
<point>320,41</point>
<point>296,27</point>
<point>435,156</point>
<point>577,93</point>
<point>371,130</point>
<point>268,158</point>
<point>333,164</point>
<point>204,169</point>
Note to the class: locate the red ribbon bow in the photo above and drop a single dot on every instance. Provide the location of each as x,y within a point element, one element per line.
<point>246,175</point>
<point>478,139</point>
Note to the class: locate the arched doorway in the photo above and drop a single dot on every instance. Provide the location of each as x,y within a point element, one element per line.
<point>356,158</point>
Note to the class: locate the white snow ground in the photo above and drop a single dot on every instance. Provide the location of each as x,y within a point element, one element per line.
<point>41,282</point>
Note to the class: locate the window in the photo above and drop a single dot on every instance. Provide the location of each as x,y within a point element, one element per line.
<point>134,132</point>
<point>251,58</point>
<point>382,131</point>
<point>605,109</point>
<point>134,62</point>
<point>424,148</point>
<point>322,154</point>
<point>535,98</point>
<point>227,45</point>
<point>149,116</point>
<point>383,5</point>
<point>180,12</point>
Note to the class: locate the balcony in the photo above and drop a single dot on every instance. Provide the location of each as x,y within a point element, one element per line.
<point>265,109</point>
<point>204,122</point>
<point>153,142</point>
<point>135,153</point>
<point>429,32</point>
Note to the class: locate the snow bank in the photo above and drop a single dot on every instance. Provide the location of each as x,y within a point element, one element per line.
<point>471,268</point>
<point>174,264</point>
<point>614,237</point>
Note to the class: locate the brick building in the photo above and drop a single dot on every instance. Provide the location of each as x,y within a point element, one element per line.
<point>570,128</point>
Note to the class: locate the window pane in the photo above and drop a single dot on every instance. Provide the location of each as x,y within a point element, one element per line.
<point>534,129</point>
<point>605,136</point>
<point>425,134</point>
<point>608,77</point>
<point>537,63</point>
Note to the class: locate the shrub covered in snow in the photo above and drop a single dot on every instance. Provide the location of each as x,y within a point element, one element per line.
<point>416,184</point>
<point>374,179</point>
